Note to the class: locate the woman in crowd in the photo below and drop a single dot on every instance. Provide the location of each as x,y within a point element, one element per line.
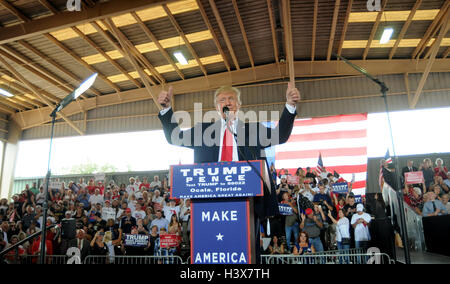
<point>303,246</point>
<point>440,169</point>
<point>275,247</point>
<point>174,225</point>
<point>99,247</point>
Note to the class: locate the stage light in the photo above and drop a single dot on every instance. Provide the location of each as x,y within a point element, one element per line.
<point>6,93</point>
<point>180,57</point>
<point>78,92</point>
<point>387,34</point>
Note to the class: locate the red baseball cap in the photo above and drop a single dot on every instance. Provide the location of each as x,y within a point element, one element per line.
<point>128,210</point>
<point>308,211</point>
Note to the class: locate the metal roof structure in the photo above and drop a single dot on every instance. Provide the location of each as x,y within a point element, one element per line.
<point>47,50</point>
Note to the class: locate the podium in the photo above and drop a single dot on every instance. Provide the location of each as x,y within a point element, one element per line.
<point>222,209</point>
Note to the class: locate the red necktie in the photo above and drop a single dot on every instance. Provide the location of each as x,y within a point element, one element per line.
<point>227,146</point>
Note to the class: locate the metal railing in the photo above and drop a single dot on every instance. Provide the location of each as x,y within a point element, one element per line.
<point>120,259</point>
<point>7,257</point>
<point>360,258</point>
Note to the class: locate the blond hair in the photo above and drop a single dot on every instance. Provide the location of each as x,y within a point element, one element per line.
<point>228,89</point>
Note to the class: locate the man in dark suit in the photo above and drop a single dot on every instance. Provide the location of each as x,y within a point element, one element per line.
<point>409,168</point>
<point>217,143</point>
<point>81,243</point>
<point>247,146</point>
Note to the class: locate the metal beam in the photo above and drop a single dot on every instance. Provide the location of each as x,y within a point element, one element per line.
<point>288,39</point>
<point>272,30</point>
<point>405,28</point>
<point>435,49</point>
<point>81,61</point>
<point>244,34</point>
<point>36,92</point>
<point>186,41</point>
<point>210,28</point>
<point>69,19</point>
<point>344,30</point>
<point>104,54</point>
<point>263,73</point>
<point>144,76</point>
<point>153,38</point>
<point>54,64</point>
<point>333,28</point>
<point>374,30</point>
<point>14,11</point>
<point>314,33</point>
<point>224,33</point>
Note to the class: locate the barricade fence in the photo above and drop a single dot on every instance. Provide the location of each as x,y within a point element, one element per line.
<point>121,259</point>
<point>360,258</point>
<point>351,256</point>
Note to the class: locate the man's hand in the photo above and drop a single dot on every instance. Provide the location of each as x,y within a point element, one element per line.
<point>292,95</point>
<point>165,97</point>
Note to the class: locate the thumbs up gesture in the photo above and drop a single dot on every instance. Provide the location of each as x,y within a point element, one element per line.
<point>165,97</point>
<point>292,94</point>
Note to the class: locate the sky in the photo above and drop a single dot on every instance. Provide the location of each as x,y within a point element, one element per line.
<point>149,150</point>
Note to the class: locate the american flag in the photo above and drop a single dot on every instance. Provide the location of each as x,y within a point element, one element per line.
<point>341,142</point>
<point>320,168</point>
<point>387,157</point>
<point>388,160</point>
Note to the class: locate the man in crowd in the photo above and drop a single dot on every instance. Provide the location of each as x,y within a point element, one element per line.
<point>160,222</point>
<point>312,226</point>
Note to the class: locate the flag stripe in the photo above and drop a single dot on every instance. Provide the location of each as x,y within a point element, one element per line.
<point>331,162</point>
<point>339,143</point>
<point>345,134</point>
<point>330,119</point>
<point>337,152</point>
<point>323,128</point>
<point>322,145</point>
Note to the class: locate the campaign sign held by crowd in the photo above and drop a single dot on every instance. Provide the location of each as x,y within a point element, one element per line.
<point>340,187</point>
<point>217,180</point>
<point>169,241</point>
<point>285,209</point>
<point>220,232</point>
<point>414,178</point>
<point>136,240</point>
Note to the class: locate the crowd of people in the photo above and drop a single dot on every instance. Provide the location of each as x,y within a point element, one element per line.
<point>98,218</point>
<point>322,219</point>
<point>105,217</point>
<point>429,198</point>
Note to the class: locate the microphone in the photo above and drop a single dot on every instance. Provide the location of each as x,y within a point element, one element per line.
<point>225,111</point>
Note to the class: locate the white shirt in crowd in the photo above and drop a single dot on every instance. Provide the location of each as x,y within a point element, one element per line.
<point>342,229</point>
<point>155,183</point>
<point>361,230</point>
<point>131,189</point>
<point>108,213</point>
<point>183,215</point>
<point>158,200</point>
<point>169,211</point>
<point>94,199</point>
<point>139,214</point>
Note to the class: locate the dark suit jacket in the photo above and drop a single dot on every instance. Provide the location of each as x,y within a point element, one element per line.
<point>406,170</point>
<point>251,149</point>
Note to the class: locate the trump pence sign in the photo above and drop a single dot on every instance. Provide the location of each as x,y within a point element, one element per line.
<point>217,180</point>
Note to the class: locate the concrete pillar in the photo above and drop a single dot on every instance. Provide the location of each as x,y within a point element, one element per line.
<point>10,151</point>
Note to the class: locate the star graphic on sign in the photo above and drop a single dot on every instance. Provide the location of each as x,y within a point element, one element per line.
<point>219,237</point>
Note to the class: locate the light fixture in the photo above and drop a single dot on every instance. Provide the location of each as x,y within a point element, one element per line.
<point>180,57</point>
<point>387,34</point>
<point>78,92</point>
<point>5,93</point>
